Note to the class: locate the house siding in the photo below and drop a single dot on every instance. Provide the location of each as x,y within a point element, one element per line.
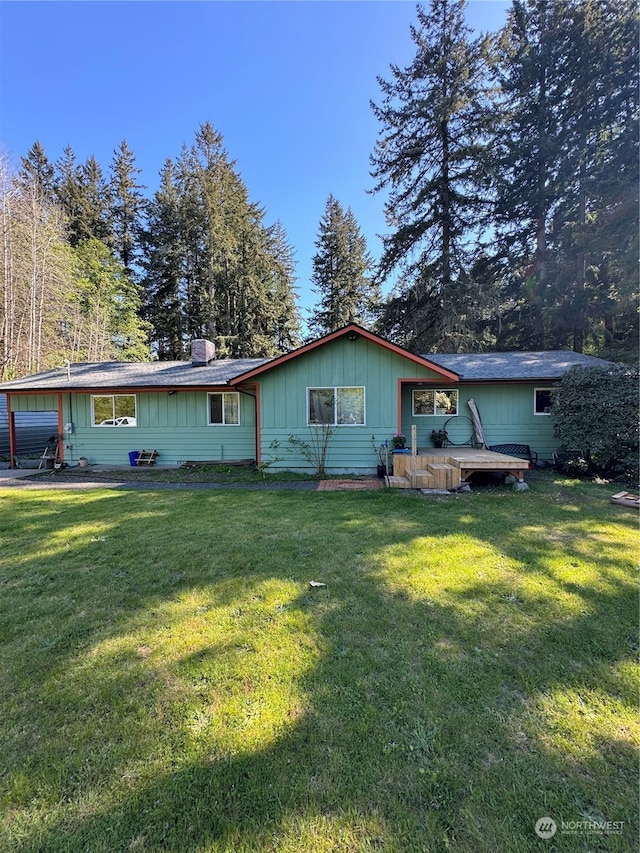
<point>173,424</point>
<point>506,411</point>
<point>340,363</point>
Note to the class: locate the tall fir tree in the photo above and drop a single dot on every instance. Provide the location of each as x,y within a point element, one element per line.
<point>566,149</point>
<point>595,232</point>
<point>341,272</point>
<point>85,197</point>
<point>528,151</point>
<point>37,169</point>
<point>434,121</point>
<point>209,259</point>
<point>127,204</point>
<point>284,322</point>
<point>163,264</point>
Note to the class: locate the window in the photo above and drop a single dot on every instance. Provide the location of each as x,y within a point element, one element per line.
<point>335,406</point>
<point>543,400</point>
<point>224,408</point>
<point>113,410</point>
<point>435,402</point>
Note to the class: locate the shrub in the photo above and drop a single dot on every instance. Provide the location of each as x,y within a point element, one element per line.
<point>596,409</point>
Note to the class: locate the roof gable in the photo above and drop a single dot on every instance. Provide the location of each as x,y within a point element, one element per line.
<point>352,329</point>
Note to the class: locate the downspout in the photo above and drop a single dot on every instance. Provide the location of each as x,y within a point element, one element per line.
<point>12,433</point>
<point>255,398</point>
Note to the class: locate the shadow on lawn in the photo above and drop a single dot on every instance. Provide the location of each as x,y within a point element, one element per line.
<point>423,721</point>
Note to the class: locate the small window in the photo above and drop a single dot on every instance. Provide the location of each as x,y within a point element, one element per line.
<point>113,410</point>
<point>433,402</point>
<point>336,406</point>
<point>224,408</point>
<point>544,400</point>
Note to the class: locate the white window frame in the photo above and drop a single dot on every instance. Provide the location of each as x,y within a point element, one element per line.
<point>435,413</point>
<point>535,399</point>
<point>224,421</point>
<point>336,389</point>
<point>114,417</point>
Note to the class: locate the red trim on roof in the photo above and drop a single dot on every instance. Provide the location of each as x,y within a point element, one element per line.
<point>339,333</point>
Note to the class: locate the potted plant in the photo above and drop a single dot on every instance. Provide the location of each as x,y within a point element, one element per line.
<point>438,437</point>
<point>381,452</point>
<point>399,441</point>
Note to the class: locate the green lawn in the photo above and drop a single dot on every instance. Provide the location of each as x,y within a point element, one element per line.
<point>170,682</point>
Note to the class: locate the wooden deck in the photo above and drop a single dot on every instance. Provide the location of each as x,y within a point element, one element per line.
<point>449,467</point>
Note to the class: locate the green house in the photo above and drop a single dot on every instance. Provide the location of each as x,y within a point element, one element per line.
<point>351,389</point>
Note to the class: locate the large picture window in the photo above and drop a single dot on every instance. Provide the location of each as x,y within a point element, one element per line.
<point>336,406</point>
<point>224,408</point>
<point>113,410</point>
<point>433,402</point>
<point>543,400</point>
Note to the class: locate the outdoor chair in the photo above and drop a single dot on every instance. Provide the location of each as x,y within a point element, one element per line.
<point>522,451</point>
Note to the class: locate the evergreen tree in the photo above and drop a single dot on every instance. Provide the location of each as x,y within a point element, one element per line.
<point>210,265</point>
<point>163,264</point>
<point>39,172</point>
<point>284,322</point>
<point>85,198</point>
<point>528,151</point>
<point>595,232</point>
<point>127,202</point>
<point>341,268</point>
<point>428,155</point>
<point>566,152</point>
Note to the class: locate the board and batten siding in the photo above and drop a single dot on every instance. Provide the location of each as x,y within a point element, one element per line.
<point>340,363</point>
<point>507,412</point>
<point>173,424</point>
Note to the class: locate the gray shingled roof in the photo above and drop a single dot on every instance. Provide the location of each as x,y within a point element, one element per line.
<point>117,374</point>
<point>181,374</point>
<point>513,365</point>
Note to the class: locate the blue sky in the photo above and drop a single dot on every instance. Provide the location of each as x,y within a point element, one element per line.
<point>287,84</point>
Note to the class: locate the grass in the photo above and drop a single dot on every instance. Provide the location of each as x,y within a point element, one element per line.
<point>170,682</point>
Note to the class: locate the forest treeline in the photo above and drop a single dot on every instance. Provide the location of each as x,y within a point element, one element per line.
<point>507,165</point>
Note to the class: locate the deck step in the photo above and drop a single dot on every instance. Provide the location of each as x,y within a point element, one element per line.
<point>394,482</point>
<point>444,476</point>
<point>420,478</point>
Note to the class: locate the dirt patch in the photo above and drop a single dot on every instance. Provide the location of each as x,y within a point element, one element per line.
<point>349,485</point>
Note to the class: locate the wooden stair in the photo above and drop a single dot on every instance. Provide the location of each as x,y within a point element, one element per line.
<point>444,475</point>
<point>423,472</point>
<point>420,478</point>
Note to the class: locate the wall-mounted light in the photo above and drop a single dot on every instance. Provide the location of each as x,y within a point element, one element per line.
<point>352,336</point>
<point>171,393</point>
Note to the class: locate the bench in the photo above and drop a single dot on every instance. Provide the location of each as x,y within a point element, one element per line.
<point>522,451</point>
